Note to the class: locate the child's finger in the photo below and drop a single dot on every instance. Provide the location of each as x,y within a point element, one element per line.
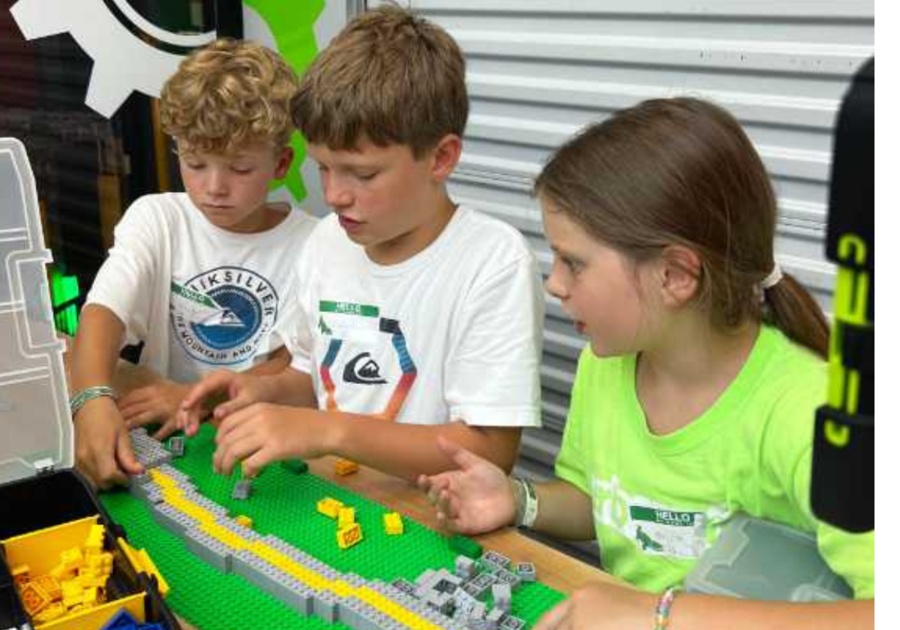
<point>461,457</point>
<point>125,457</point>
<point>230,452</point>
<point>229,407</point>
<point>209,384</point>
<point>167,429</point>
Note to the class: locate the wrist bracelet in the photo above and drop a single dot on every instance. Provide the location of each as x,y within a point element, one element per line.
<point>526,513</point>
<point>664,607</point>
<point>89,393</point>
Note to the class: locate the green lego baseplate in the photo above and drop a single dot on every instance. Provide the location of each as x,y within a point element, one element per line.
<point>283,503</point>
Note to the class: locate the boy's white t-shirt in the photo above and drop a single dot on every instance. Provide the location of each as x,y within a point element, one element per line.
<point>454,333</point>
<point>199,297</point>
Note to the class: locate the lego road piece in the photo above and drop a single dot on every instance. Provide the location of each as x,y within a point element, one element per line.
<point>393,524</point>
<point>345,467</point>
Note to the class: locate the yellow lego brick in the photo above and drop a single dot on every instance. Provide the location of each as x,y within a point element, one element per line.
<point>349,536</point>
<point>329,507</point>
<point>345,467</point>
<point>94,542</point>
<point>51,612</point>
<point>72,559</point>
<point>72,593</point>
<point>91,597</point>
<point>246,521</point>
<point>50,585</point>
<point>34,598</point>
<point>21,574</point>
<point>346,516</point>
<point>393,524</point>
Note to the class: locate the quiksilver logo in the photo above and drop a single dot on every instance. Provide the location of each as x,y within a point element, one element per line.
<point>363,369</point>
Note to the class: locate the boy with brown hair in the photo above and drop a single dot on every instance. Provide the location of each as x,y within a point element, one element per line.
<point>420,317</point>
<point>198,277</point>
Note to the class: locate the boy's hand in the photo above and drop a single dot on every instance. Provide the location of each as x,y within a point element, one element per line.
<point>264,432</point>
<point>155,404</point>
<point>601,606</point>
<point>240,390</point>
<point>474,499</point>
<point>104,454</point>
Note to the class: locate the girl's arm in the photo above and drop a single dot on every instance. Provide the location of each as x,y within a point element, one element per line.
<point>610,607</point>
<point>564,511</point>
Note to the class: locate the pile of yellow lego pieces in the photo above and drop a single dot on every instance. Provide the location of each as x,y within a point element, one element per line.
<point>349,531</point>
<point>76,583</point>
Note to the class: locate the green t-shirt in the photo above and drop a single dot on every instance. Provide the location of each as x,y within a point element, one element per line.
<point>660,501</point>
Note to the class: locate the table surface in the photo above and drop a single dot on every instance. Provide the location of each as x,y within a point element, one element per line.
<point>554,568</point>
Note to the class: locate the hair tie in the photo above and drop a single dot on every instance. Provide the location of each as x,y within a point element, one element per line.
<point>772,279</point>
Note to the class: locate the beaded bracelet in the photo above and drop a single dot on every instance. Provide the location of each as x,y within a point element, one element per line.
<point>664,607</point>
<point>89,393</point>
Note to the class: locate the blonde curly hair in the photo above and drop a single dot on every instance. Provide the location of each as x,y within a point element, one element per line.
<point>229,94</point>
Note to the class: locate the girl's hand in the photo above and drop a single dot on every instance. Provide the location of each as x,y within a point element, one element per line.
<point>475,498</point>
<point>602,606</point>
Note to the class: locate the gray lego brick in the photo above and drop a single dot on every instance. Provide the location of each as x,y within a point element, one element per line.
<point>495,559</point>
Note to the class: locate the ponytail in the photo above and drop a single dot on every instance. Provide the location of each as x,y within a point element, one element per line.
<point>795,312</point>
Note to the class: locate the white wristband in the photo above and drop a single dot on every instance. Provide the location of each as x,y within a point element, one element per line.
<point>528,512</point>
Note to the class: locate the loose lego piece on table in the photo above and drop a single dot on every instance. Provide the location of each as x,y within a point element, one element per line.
<point>526,571</point>
<point>349,536</point>
<point>242,490</point>
<point>345,467</point>
<point>465,546</point>
<point>346,516</point>
<point>393,524</point>
<point>176,445</point>
<point>244,521</point>
<point>296,466</point>
<point>329,507</point>
<point>502,597</point>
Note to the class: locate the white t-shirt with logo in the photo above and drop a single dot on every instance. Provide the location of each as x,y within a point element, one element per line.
<point>453,333</point>
<point>199,297</point>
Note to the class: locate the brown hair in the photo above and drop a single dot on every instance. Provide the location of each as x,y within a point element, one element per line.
<point>228,94</point>
<point>681,171</point>
<point>389,76</point>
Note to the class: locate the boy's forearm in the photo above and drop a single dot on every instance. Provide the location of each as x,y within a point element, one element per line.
<point>95,352</point>
<point>274,364</point>
<point>408,450</point>
<point>706,611</point>
<point>564,511</point>
<point>291,387</point>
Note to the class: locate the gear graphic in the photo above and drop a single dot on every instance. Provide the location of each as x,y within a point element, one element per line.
<point>123,62</point>
<point>130,53</point>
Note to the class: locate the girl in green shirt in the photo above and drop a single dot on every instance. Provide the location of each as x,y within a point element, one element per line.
<point>696,396</point>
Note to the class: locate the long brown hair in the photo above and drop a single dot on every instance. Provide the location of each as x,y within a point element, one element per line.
<point>681,171</point>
